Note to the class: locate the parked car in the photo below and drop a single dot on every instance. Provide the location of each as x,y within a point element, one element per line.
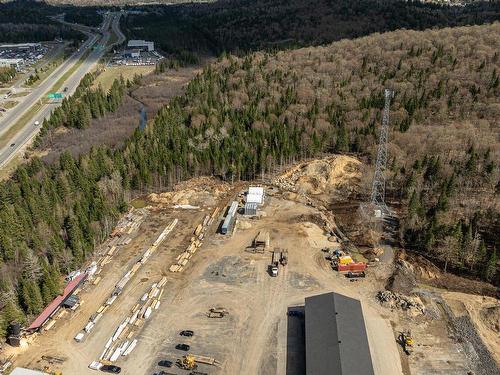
<point>165,363</point>
<point>184,347</point>
<point>187,333</point>
<point>37,123</point>
<point>12,144</point>
<point>65,89</point>
<point>111,369</point>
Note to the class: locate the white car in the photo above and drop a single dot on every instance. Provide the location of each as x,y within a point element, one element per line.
<point>37,123</point>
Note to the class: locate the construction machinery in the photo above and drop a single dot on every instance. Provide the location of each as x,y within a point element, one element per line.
<point>284,257</point>
<point>217,312</point>
<point>260,243</point>
<point>187,362</point>
<point>405,339</point>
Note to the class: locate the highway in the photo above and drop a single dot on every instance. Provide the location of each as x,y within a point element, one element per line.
<point>24,135</point>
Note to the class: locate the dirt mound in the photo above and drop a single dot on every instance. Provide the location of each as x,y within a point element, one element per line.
<point>403,279</point>
<point>202,191</point>
<point>491,318</point>
<point>340,174</point>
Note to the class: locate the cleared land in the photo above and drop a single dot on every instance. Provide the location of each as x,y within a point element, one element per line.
<point>106,78</point>
<point>257,337</point>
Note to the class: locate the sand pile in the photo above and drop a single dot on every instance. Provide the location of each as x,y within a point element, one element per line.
<point>200,191</point>
<point>340,173</point>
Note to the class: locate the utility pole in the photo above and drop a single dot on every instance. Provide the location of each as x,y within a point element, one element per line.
<point>378,187</point>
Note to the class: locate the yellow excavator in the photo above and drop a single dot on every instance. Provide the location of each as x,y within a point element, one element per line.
<point>406,341</point>
<point>187,362</point>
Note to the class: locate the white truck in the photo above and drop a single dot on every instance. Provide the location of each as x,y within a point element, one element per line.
<point>274,263</point>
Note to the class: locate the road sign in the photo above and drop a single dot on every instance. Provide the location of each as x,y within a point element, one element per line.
<point>55,95</point>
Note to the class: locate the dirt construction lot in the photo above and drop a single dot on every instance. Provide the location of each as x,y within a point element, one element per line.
<point>256,337</point>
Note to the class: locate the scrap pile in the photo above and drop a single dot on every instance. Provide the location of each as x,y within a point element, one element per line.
<point>400,301</point>
<point>122,342</point>
<point>195,243</point>
<point>94,318</point>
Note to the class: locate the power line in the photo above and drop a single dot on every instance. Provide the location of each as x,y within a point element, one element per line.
<point>378,186</point>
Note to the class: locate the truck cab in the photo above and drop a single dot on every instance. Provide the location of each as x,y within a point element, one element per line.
<point>274,271</point>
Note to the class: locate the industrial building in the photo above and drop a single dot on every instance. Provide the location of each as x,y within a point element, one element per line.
<point>254,198</point>
<point>11,63</point>
<point>131,53</point>
<point>54,306</point>
<point>23,46</point>
<point>227,225</point>
<point>142,45</point>
<point>251,209</point>
<point>335,336</point>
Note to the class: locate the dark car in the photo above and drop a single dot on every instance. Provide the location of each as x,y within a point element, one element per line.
<point>165,363</point>
<point>65,89</point>
<point>12,144</point>
<point>111,368</point>
<point>187,333</point>
<point>184,347</point>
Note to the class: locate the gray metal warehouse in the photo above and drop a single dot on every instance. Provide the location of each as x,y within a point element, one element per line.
<point>336,339</point>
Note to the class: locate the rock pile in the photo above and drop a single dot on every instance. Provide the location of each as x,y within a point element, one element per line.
<point>400,301</point>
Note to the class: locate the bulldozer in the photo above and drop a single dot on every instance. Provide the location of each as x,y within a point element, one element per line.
<point>406,341</point>
<point>187,362</point>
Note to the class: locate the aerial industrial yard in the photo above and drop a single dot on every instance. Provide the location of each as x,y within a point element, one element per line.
<point>167,268</point>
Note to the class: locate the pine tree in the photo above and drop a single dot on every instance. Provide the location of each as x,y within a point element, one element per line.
<point>490,269</point>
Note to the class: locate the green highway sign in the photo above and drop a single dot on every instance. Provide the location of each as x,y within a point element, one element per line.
<point>55,95</point>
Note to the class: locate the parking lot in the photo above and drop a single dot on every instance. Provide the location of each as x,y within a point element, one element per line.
<point>30,53</point>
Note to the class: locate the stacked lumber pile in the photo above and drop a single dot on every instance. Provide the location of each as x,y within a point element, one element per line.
<point>196,241</point>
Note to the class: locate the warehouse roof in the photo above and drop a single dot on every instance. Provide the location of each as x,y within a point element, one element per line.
<point>336,340</point>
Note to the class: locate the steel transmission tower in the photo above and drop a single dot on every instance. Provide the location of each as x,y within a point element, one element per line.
<point>378,186</point>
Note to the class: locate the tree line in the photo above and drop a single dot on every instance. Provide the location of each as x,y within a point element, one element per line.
<point>243,25</point>
<point>29,21</point>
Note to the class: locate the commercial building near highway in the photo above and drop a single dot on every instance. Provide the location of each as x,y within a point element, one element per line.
<point>142,45</point>
<point>11,63</point>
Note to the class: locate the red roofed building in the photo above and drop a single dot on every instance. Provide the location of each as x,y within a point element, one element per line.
<point>52,308</point>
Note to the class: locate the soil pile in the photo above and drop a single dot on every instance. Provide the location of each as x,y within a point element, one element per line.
<point>339,174</point>
<point>403,279</point>
<point>202,191</point>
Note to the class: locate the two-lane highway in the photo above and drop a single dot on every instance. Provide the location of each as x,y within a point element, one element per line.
<point>25,134</point>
